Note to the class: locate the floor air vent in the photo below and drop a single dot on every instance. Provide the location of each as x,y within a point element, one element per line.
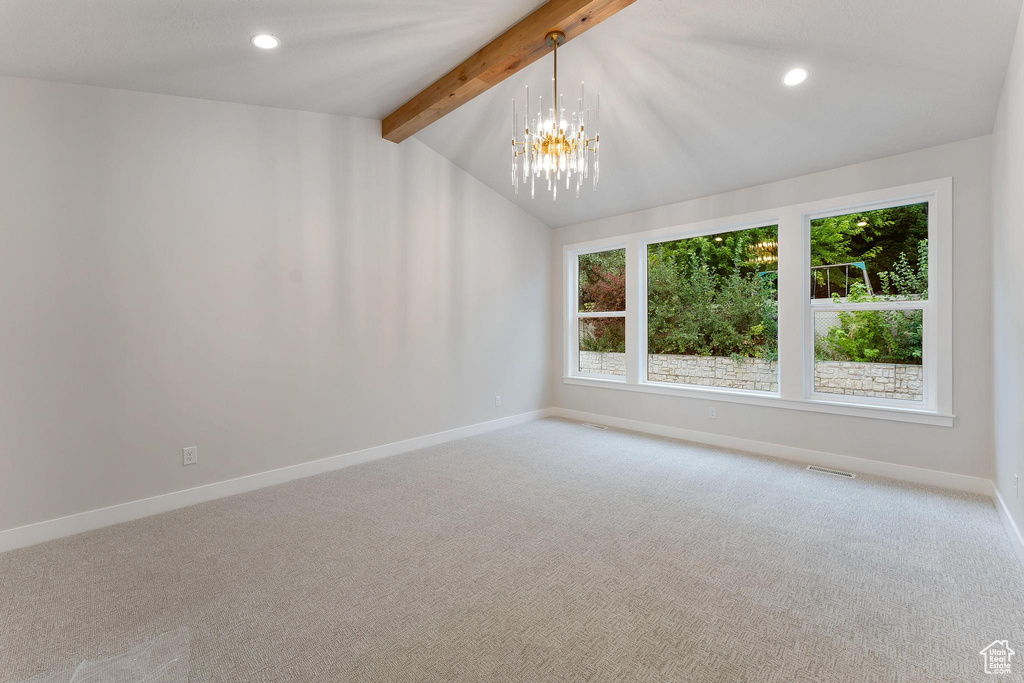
<point>838,473</point>
<point>592,425</point>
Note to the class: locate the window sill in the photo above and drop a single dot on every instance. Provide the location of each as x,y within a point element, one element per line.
<point>772,400</point>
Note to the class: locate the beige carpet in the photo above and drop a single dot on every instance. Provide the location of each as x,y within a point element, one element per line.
<point>545,552</point>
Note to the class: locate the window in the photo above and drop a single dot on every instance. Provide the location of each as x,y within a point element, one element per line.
<point>836,306</point>
<point>601,313</point>
<point>869,291</point>
<point>712,310</point>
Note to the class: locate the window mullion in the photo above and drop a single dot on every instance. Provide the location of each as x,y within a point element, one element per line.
<point>909,305</point>
<point>602,314</point>
<point>635,270</point>
<point>794,290</point>
<point>572,327</point>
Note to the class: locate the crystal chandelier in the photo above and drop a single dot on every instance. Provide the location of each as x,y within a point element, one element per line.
<point>556,147</point>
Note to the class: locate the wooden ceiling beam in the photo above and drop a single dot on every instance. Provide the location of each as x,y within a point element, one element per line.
<point>513,50</point>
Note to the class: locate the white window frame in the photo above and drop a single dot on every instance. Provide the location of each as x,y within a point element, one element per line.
<point>644,244</point>
<point>928,307</point>
<point>796,347</point>
<point>575,315</point>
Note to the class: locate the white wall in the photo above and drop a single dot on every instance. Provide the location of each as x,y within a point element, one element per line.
<point>1008,281</point>
<point>965,448</point>
<point>272,286</point>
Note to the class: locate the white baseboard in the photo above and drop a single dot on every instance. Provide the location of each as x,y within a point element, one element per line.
<point>39,532</point>
<point>32,534</point>
<point>917,475</point>
<point>1012,530</point>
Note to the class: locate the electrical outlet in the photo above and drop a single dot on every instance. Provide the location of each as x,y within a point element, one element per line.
<point>497,401</point>
<point>190,455</point>
<point>712,412</point>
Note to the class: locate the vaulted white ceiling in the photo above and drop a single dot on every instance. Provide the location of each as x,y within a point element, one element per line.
<point>691,98</point>
<point>354,57</point>
<point>692,102</point>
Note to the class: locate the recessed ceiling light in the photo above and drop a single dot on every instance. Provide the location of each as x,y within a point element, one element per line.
<point>795,77</point>
<point>265,41</point>
<point>862,224</point>
<point>718,239</point>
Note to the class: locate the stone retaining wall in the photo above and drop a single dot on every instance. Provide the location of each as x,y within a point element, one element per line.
<point>884,380</point>
<point>595,362</point>
<point>715,371</point>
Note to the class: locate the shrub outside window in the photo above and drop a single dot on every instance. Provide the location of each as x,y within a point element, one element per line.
<point>712,310</point>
